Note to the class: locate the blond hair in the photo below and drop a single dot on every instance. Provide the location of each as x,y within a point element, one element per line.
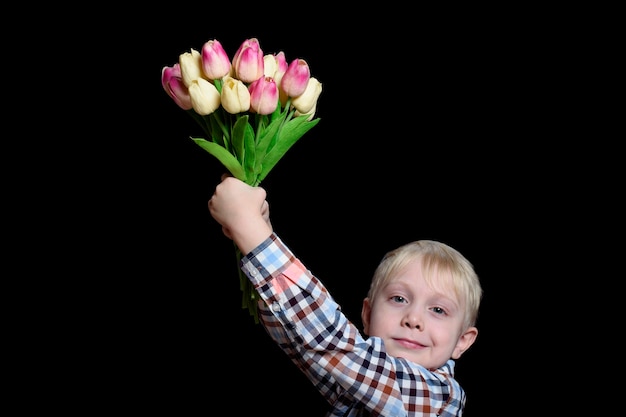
<point>438,260</point>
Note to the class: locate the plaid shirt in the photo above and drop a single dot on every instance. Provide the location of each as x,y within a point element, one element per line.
<point>355,374</point>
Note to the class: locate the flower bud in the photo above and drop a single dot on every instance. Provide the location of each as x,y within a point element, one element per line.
<point>307,100</point>
<point>269,65</point>
<point>296,77</point>
<point>205,98</point>
<point>190,66</point>
<point>248,61</point>
<point>263,95</point>
<point>215,62</point>
<point>310,113</point>
<point>274,65</point>
<point>235,95</point>
<point>174,87</point>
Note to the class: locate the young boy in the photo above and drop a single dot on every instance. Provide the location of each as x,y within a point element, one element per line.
<point>419,315</point>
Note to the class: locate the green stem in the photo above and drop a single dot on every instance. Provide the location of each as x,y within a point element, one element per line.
<point>201,121</point>
<point>249,294</point>
<point>222,125</point>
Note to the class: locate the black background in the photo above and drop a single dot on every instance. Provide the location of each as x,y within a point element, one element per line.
<point>423,135</point>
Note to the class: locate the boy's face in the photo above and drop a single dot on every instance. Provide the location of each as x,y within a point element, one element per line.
<point>417,322</point>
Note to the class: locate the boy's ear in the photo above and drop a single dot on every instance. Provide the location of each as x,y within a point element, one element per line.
<point>365,315</point>
<point>466,340</point>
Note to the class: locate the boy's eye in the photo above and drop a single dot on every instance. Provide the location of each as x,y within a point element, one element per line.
<point>399,299</point>
<point>439,310</point>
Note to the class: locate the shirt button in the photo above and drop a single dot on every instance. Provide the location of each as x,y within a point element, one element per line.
<point>275,307</point>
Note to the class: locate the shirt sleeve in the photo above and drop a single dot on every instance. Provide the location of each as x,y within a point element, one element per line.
<point>353,373</point>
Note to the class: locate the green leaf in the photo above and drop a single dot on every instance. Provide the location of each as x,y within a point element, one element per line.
<point>244,147</point>
<point>238,137</point>
<point>226,158</point>
<point>267,138</point>
<point>289,134</point>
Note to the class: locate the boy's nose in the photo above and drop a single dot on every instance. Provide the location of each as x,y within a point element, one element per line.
<point>413,320</point>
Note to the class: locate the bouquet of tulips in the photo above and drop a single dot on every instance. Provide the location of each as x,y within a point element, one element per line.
<point>252,109</point>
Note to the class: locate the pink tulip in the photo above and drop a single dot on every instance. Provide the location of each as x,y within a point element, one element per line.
<point>282,62</point>
<point>296,78</point>
<point>215,62</point>
<point>173,85</point>
<point>248,61</point>
<point>263,95</point>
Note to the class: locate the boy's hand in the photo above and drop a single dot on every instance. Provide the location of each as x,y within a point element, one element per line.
<point>242,211</point>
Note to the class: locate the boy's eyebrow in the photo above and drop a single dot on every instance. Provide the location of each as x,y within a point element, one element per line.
<point>449,295</point>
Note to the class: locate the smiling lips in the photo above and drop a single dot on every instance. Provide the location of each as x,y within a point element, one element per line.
<point>410,344</point>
